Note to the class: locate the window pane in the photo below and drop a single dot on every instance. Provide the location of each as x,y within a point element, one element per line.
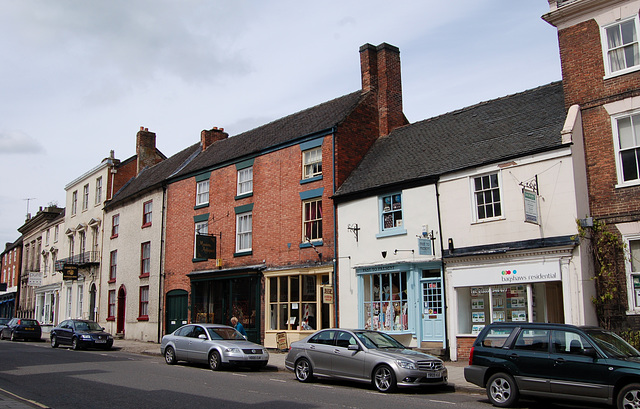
<point>308,288</point>
<point>625,133</point>
<point>628,29</point>
<point>614,38</point>
<point>634,249</point>
<point>629,165</point>
<point>284,289</point>
<point>295,289</point>
<point>273,289</point>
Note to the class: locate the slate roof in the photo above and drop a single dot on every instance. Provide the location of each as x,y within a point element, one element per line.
<point>153,177</point>
<point>278,133</point>
<point>493,131</point>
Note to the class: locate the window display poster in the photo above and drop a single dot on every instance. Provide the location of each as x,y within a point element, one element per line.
<point>477,303</point>
<point>518,302</point>
<point>518,315</point>
<point>477,317</point>
<point>475,330</point>
<point>498,316</point>
<point>498,302</point>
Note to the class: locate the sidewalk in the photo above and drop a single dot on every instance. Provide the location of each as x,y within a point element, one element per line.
<point>276,362</point>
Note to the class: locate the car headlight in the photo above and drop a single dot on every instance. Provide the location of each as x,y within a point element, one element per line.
<point>85,337</point>
<point>233,350</point>
<point>406,364</point>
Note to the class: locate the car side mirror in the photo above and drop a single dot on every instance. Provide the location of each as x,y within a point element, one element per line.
<point>588,351</point>
<point>202,336</point>
<point>353,347</point>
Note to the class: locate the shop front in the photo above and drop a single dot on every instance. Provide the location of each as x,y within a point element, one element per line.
<point>405,300</point>
<point>299,302</point>
<point>218,296</point>
<point>505,291</point>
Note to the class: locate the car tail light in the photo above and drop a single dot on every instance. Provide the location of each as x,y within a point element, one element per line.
<point>19,322</point>
<point>471,356</point>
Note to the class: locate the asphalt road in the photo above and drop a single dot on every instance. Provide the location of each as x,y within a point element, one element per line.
<point>61,378</point>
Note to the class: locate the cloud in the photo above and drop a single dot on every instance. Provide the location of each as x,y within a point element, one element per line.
<point>16,142</point>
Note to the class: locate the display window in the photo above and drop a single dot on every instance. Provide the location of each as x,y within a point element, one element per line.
<point>296,303</point>
<point>385,305</point>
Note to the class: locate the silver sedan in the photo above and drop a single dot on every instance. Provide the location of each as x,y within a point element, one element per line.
<point>217,345</point>
<point>364,356</point>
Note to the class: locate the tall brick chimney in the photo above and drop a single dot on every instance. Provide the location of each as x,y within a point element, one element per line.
<point>208,137</point>
<point>146,148</point>
<point>380,68</point>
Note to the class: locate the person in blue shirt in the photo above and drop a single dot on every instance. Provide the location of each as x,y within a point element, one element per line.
<point>238,326</point>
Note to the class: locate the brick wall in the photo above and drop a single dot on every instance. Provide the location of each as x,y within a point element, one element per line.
<point>464,347</point>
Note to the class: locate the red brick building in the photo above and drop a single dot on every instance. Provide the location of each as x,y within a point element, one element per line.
<point>600,57</point>
<point>264,196</point>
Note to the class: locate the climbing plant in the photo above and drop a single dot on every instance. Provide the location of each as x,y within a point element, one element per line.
<point>608,250</point>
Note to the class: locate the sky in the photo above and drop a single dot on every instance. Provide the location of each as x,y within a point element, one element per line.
<point>79,78</point>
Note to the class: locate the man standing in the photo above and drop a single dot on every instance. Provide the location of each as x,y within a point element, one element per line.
<point>238,326</point>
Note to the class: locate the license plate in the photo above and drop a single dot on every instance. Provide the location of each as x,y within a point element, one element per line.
<point>434,374</point>
<point>29,329</point>
<point>255,357</point>
<point>101,341</point>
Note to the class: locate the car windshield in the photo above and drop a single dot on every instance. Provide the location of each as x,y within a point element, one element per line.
<point>612,344</point>
<point>88,326</point>
<point>225,333</point>
<point>373,339</point>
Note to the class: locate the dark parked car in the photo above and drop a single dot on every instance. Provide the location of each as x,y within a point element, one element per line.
<point>217,345</point>
<point>4,322</point>
<point>554,361</point>
<point>80,334</point>
<point>363,356</point>
<point>21,328</point>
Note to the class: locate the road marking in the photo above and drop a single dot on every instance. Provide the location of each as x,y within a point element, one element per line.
<point>323,386</point>
<point>278,380</point>
<point>239,374</point>
<point>441,401</point>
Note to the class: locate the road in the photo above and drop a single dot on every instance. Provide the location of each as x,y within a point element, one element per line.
<point>61,378</point>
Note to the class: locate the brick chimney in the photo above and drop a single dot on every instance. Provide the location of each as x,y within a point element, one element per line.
<point>146,148</point>
<point>208,137</point>
<point>380,68</point>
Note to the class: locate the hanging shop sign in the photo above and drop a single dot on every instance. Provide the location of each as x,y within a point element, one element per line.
<point>327,294</point>
<point>70,272</point>
<point>530,207</point>
<point>205,247</point>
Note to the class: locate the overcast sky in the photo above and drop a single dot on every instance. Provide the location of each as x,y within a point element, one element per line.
<point>79,78</point>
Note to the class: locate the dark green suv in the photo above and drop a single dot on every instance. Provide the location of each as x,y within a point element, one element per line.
<point>554,361</point>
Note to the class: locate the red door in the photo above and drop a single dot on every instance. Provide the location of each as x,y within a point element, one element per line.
<point>122,302</point>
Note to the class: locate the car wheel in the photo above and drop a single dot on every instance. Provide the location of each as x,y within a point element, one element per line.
<point>304,371</point>
<point>75,345</point>
<point>170,356</point>
<point>54,341</point>
<point>13,336</point>
<point>1,335</point>
<point>502,390</point>
<point>214,361</point>
<point>629,396</point>
<point>384,379</point>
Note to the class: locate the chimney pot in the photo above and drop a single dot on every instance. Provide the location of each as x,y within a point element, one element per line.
<point>142,128</point>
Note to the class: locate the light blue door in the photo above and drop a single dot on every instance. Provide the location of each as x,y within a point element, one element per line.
<point>432,310</point>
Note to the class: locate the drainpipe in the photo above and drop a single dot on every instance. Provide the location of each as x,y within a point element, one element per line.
<point>335,231</point>
<point>444,284</point>
<point>161,272</point>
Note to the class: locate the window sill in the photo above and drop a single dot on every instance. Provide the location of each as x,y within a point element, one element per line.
<point>145,275</point>
<point>621,72</point>
<point>309,180</point>
<point>146,225</point>
<point>244,195</point>
<point>143,318</point>
<point>630,183</point>
<point>314,243</point>
<point>489,220</point>
<point>197,260</point>
<point>243,253</point>
<point>115,236</point>
<point>112,281</point>
<point>200,206</point>
<point>111,318</point>
<point>391,233</point>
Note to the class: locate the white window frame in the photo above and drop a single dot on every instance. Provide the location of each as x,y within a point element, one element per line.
<point>474,202</point>
<point>85,197</point>
<point>202,193</point>
<point>633,300</point>
<point>74,203</point>
<point>80,300</point>
<point>609,72</point>
<point>201,228</point>
<point>98,190</point>
<point>618,150</point>
<point>310,160</point>
<point>244,232</point>
<point>245,181</point>
<point>317,219</point>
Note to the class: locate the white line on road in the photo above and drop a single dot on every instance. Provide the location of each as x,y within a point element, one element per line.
<point>239,374</point>
<point>278,380</point>
<point>441,401</point>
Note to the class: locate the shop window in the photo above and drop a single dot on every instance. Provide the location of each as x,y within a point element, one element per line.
<point>295,303</point>
<point>486,193</point>
<point>620,45</point>
<point>385,305</point>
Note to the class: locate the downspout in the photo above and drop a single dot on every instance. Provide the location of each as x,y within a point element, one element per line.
<point>335,232</point>
<point>161,272</point>
<point>444,284</point>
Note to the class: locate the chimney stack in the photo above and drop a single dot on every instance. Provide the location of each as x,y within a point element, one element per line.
<point>380,68</point>
<point>145,148</point>
<point>208,137</point>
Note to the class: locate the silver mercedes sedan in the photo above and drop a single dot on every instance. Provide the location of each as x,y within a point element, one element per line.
<point>364,356</point>
<point>217,345</point>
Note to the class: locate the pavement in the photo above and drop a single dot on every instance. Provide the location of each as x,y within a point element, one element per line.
<point>276,363</point>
